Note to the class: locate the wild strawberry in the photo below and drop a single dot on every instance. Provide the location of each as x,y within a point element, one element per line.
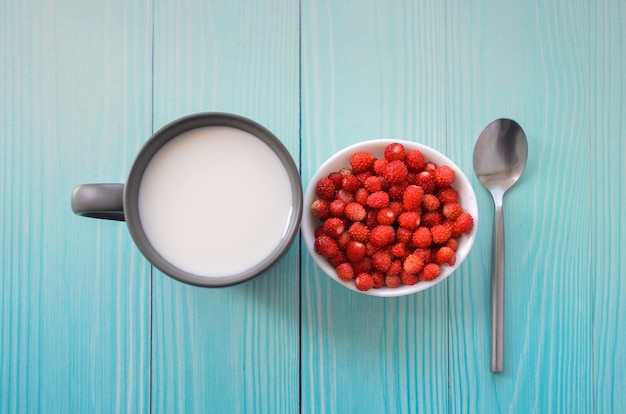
<point>385,216</point>
<point>345,171</point>
<point>319,231</point>
<point>334,227</point>
<point>360,196</point>
<point>320,208</point>
<point>345,196</point>
<point>362,177</point>
<point>409,220</point>
<point>448,195</point>
<point>453,244</point>
<point>370,249</point>
<point>364,281</point>
<point>342,241</point>
<point>430,202</point>
<point>350,183</point>
<point>396,191</point>
<point>395,268</point>
<point>361,162</point>
<point>325,189</point>
<point>425,254</point>
<point>430,272</point>
<point>444,176</point>
<point>403,235</point>
<point>355,251</point>
<point>375,183</point>
<point>359,232</point>
<point>449,223</point>
<point>395,151</point>
<point>395,172</point>
<point>363,266</point>
<point>403,214</point>
<point>379,279</point>
<point>398,249</point>
<point>413,263</point>
<point>378,200</point>
<point>381,260</point>
<point>326,246</point>
<point>371,218</point>
<point>452,210</point>
<point>337,178</point>
<point>354,212</point>
<point>426,180</point>
<point>409,278</point>
<point>393,281</point>
<point>445,255</point>
<point>441,233</point>
<point>345,271</point>
<point>397,207</point>
<point>412,197</point>
<point>414,159</point>
<point>464,223</point>
<point>381,236</point>
<point>422,237</point>
<point>431,219</point>
<point>379,166</point>
<point>337,259</point>
<point>336,208</point>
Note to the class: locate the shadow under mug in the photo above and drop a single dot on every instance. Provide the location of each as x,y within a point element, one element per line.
<point>121,201</point>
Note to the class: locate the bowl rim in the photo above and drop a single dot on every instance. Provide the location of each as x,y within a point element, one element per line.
<point>467,199</point>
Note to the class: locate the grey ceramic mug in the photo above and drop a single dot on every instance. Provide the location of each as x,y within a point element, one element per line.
<point>121,201</point>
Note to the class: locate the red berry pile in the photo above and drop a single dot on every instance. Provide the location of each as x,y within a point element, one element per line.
<point>389,221</point>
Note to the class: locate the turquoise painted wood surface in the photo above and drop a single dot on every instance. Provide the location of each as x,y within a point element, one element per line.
<point>86,325</point>
<point>74,294</point>
<point>235,349</point>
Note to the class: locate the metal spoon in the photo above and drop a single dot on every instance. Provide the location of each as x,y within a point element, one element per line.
<point>499,159</point>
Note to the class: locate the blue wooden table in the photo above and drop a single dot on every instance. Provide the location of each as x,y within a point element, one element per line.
<point>87,325</point>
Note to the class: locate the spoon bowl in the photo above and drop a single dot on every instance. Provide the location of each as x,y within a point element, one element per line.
<point>500,156</point>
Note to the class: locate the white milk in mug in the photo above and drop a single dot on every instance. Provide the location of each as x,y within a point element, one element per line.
<point>215,201</point>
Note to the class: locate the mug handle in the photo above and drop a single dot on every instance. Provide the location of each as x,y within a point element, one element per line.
<point>103,201</point>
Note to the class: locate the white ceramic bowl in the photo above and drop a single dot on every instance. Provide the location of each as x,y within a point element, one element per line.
<point>467,199</point>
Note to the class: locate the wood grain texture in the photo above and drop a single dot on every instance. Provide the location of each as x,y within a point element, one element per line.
<point>231,350</point>
<point>528,61</point>
<point>86,325</point>
<point>371,70</point>
<point>74,307</point>
<point>608,195</point>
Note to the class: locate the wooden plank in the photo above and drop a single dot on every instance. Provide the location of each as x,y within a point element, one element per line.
<point>528,61</point>
<point>608,196</point>
<point>371,70</point>
<point>78,313</point>
<point>233,349</point>
<point>74,293</point>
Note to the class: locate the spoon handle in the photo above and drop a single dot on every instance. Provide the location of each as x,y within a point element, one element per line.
<point>497,291</point>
